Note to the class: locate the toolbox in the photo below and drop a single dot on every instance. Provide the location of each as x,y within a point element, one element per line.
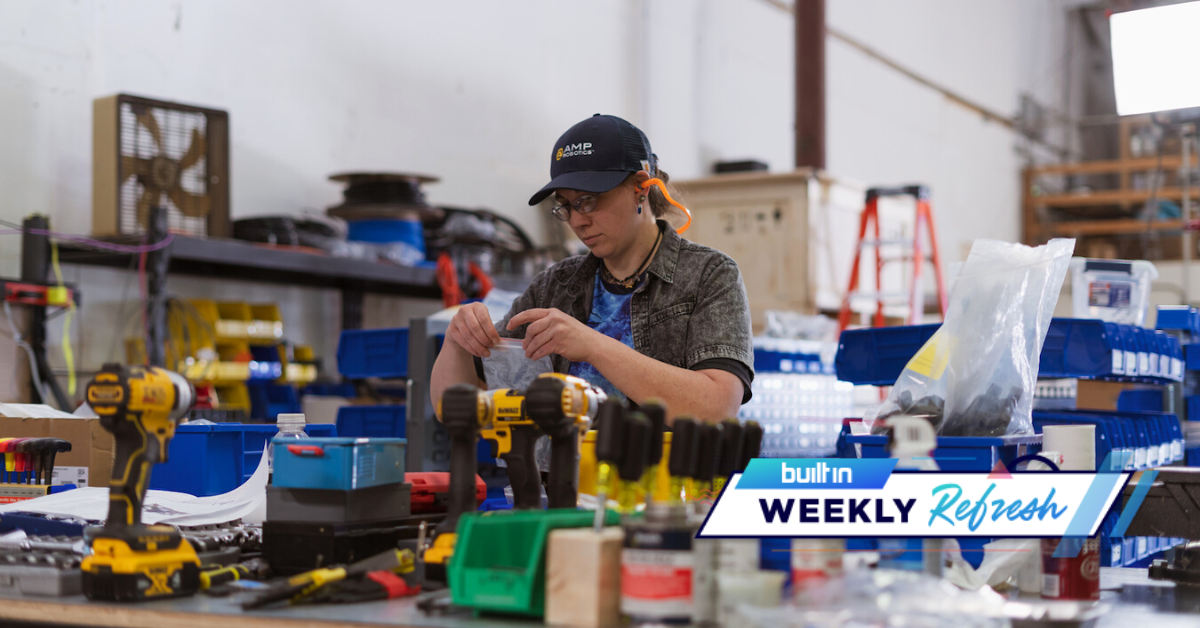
<point>318,505</point>
<point>431,490</point>
<point>40,573</point>
<point>338,463</point>
<point>293,547</point>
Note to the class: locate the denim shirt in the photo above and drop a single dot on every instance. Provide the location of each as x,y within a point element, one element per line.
<point>692,306</point>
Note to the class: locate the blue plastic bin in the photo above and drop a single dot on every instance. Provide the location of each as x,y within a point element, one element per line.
<point>201,460</point>
<point>877,356</point>
<point>372,421</point>
<point>329,390</point>
<point>268,400</point>
<point>1074,348</point>
<point>1174,317</point>
<point>338,463</point>
<point>207,460</point>
<point>373,353</point>
<point>959,453</point>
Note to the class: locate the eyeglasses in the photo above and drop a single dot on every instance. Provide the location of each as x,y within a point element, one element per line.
<point>584,204</point>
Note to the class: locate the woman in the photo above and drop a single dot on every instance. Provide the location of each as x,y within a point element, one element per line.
<point>645,315</point>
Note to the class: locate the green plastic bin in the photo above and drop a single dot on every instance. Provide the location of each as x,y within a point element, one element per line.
<point>499,561</point>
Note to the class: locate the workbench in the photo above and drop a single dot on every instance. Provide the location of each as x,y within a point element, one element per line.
<point>1135,599</point>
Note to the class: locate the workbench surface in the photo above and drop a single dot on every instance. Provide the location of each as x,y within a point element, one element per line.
<point>1134,597</point>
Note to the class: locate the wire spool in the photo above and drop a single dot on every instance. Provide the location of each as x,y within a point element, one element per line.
<point>383,196</point>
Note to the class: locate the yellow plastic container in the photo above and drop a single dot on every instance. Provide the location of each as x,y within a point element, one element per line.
<point>587,468</point>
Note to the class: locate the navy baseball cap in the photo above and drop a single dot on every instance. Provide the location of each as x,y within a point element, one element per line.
<point>596,155</point>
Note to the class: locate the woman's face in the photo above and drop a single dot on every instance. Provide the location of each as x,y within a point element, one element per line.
<point>611,227</point>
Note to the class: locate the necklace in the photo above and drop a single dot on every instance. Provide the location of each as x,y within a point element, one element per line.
<point>631,280</point>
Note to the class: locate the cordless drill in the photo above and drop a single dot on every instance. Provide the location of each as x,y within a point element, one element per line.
<point>131,561</point>
<point>556,404</point>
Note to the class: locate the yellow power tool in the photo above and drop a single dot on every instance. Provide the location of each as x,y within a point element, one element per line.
<point>555,404</point>
<point>131,561</point>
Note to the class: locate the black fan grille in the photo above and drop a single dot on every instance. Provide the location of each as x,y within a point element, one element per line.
<point>136,141</point>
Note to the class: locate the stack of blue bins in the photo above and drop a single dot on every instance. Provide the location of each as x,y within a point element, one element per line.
<point>379,354</point>
<point>212,459</point>
<point>1183,322</point>
<point>1074,348</point>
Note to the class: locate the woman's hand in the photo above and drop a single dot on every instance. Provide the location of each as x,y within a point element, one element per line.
<point>472,329</point>
<point>553,331</point>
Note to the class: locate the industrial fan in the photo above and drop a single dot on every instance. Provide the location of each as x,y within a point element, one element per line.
<point>149,153</point>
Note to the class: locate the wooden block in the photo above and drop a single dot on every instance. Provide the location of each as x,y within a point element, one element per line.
<point>583,578</point>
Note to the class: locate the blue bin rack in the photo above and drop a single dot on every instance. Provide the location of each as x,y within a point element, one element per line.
<point>268,400</point>
<point>207,460</point>
<point>957,453</point>
<point>384,421</point>
<point>1150,438</point>
<point>1074,348</point>
<point>379,353</point>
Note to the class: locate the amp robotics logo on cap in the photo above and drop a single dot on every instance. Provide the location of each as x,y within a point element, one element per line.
<point>572,150</point>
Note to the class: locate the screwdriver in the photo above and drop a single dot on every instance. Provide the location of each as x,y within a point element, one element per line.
<point>11,458</point>
<point>731,452</point>
<point>633,460</point>
<point>656,412</point>
<point>4,459</point>
<point>253,569</point>
<point>610,426</point>
<point>298,587</point>
<point>683,456</point>
<point>708,445</point>
<point>752,436</point>
<point>20,449</point>
<point>56,446</point>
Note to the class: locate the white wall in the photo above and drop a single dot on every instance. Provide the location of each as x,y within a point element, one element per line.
<point>476,91</point>
<point>884,128</point>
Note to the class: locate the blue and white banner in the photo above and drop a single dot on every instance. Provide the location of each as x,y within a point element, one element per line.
<point>868,497</point>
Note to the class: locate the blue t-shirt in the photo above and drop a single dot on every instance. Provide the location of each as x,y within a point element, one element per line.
<point>610,316</point>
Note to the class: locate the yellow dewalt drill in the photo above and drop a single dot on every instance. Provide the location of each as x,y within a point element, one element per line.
<point>555,404</point>
<point>131,561</point>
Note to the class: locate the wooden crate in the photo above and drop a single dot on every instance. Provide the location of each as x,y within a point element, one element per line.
<point>791,234</point>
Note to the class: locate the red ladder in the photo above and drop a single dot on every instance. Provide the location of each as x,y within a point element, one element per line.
<point>915,297</point>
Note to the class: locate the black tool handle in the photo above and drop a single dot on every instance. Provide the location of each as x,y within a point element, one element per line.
<point>731,447</point>
<point>544,405</point>
<point>656,413</point>
<point>460,415</point>
<point>707,450</point>
<point>752,436</point>
<point>522,468</point>
<point>683,447</point>
<point>637,447</point>
<point>610,425</point>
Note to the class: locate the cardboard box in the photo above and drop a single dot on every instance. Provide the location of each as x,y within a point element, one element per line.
<point>89,463</point>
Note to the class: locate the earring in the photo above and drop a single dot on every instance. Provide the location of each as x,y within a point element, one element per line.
<point>639,208</point>
<point>640,201</point>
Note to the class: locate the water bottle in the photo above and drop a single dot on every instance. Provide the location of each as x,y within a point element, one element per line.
<point>291,426</point>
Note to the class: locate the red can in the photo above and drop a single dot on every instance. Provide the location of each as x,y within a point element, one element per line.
<point>1075,578</point>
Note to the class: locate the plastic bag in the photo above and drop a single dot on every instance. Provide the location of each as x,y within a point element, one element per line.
<point>976,375</point>
<point>507,366</point>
